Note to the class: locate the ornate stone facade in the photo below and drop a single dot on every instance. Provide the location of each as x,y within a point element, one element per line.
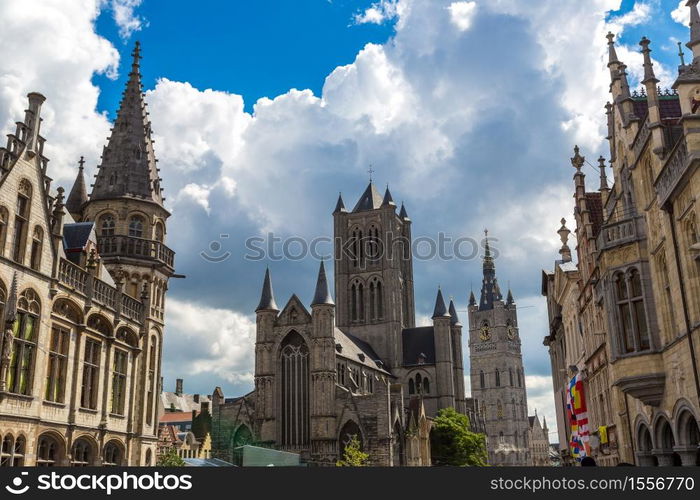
<point>81,300</point>
<point>633,298</point>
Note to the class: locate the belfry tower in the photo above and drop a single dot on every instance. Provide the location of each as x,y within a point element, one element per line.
<point>497,375</point>
<point>126,206</point>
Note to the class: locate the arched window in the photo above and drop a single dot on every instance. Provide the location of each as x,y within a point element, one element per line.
<point>426,386</point>
<point>516,439</point>
<point>57,364</point>
<point>482,379</point>
<point>376,300</point>
<point>6,451</point>
<point>119,367</point>
<point>136,226</point>
<point>499,409</point>
<point>515,408</point>
<point>24,198</point>
<point>160,232</point>
<point>632,316</point>
<point>91,373</point>
<point>510,376</point>
<point>498,378</point>
<point>81,455</point>
<point>4,220</point>
<point>37,245</point>
<point>357,306</point>
<point>112,454</point>
<point>294,365</point>
<point>106,225</point>
<point>373,244</point>
<point>520,381</point>
<point>47,451</point>
<point>149,458</point>
<point>24,344</point>
<point>411,386</point>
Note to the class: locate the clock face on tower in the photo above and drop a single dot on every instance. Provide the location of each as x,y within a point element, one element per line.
<point>485,333</point>
<point>511,332</point>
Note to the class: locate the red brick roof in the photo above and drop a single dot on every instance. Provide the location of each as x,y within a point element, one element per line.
<point>594,203</point>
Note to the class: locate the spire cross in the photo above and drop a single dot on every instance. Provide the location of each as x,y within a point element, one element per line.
<point>370,171</point>
<point>81,162</point>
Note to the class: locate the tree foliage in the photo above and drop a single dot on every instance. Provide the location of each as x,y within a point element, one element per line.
<point>353,456</point>
<point>170,459</point>
<point>453,443</point>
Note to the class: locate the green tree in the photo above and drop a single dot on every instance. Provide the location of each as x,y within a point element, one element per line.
<point>353,456</point>
<point>170,459</point>
<point>453,443</point>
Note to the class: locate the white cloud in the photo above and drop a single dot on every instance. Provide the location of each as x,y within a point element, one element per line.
<point>125,18</point>
<point>541,399</point>
<point>640,14</point>
<point>462,14</point>
<point>379,12</point>
<point>681,14</point>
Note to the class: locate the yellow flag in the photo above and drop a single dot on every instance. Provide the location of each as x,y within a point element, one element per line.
<point>603,434</point>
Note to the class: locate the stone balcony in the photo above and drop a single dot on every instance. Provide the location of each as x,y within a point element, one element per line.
<point>137,248</point>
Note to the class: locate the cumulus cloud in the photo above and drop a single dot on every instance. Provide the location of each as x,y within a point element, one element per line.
<point>125,17</point>
<point>462,13</point>
<point>379,12</point>
<point>681,14</point>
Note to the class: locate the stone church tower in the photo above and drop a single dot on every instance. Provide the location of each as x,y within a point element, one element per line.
<point>497,375</point>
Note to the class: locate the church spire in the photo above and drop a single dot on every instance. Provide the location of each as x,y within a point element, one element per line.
<point>340,206</point>
<point>388,200</point>
<point>490,292</point>
<point>472,299</point>
<point>78,194</point>
<point>440,309</point>
<point>322,294</point>
<point>403,213</point>
<point>454,319</point>
<point>128,167</point>
<point>267,298</point>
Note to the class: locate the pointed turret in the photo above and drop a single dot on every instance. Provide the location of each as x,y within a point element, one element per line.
<point>403,213</point>
<point>267,298</point>
<point>340,206</point>
<point>490,292</point>
<point>322,294</point>
<point>388,200</point>
<point>472,299</point>
<point>454,319</point>
<point>604,188</point>
<point>128,167</point>
<point>649,75</point>
<point>370,199</point>
<point>694,43</point>
<point>78,193</point>
<point>509,298</point>
<point>440,308</point>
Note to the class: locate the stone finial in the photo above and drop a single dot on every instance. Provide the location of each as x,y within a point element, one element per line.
<point>564,233</point>
<point>604,188</point>
<point>577,160</point>
<point>649,75</point>
<point>612,54</point>
<point>92,259</point>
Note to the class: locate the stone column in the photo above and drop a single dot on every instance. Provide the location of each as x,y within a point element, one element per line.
<point>688,454</point>
<point>645,459</point>
<point>665,457</point>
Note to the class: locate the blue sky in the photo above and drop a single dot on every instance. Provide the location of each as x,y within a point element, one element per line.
<point>468,109</point>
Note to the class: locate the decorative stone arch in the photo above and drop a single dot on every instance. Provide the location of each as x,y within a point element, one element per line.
<point>128,336</point>
<point>47,454</point>
<point>241,436</point>
<point>159,230</point>
<point>643,435</point>
<point>662,430</point>
<point>113,453</point>
<point>419,379</point>
<point>88,456</point>
<point>138,224</point>
<point>293,357</point>
<point>68,309</point>
<point>99,323</point>
<point>347,430</point>
<point>375,289</point>
<point>29,301</point>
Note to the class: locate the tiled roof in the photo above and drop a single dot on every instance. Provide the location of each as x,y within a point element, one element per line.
<point>669,107</point>
<point>356,350</point>
<point>595,206</point>
<point>175,416</point>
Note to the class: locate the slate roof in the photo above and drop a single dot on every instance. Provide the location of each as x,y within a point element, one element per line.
<point>356,350</point>
<point>669,107</point>
<point>77,235</point>
<point>417,341</point>
<point>370,200</point>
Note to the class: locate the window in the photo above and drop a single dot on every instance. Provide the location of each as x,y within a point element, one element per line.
<point>112,454</point>
<point>520,381</point>
<point>24,197</point>
<point>510,376</point>
<point>498,378</point>
<point>373,245</point>
<point>4,219</point>
<point>376,300</point>
<point>6,451</point>
<point>357,307</point>
<point>24,343</point>
<point>136,226</point>
<point>499,410</point>
<point>411,386</point>
<point>151,379</point>
<point>58,360</point>
<point>81,456</point>
<point>119,381</point>
<point>91,374</point>
<point>47,452</point>
<point>294,359</point>
<point>159,233</point>
<point>37,244</point>
<point>106,225</point>
<point>482,379</point>
<point>515,409</point>
<point>632,317</point>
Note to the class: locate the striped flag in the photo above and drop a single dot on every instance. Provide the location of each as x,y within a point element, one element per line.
<point>578,418</point>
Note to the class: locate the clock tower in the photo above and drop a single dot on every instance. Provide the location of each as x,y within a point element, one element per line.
<point>497,375</point>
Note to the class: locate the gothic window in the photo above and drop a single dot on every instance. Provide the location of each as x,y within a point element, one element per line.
<point>24,343</point>
<point>411,386</point>
<point>520,382</point>
<point>515,408</point>
<point>12,452</point>
<point>160,232</point>
<point>499,410</point>
<point>357,251</point>
<point>149,458</point>
<point>47,451</point>
<point>373,244</point>
<point>151,379</point>
<point>498,378</point>
<point>349,431</point>
<point>57,365</point>
<point>112,454</point>
<point>294,366</point>
<point>81,456</point>
<point>91,374</point>
<point>4,219</point>
<point>482,379</point>
<point>426,386</point>
<point>37,244</point>
<point>106,225</point>
<point>136,226</point>
<point>119,381</point>
<point>631,314</point>
<point>510,376</point>
<point>516,439</point>
<point>357,304</point>
<point>376,300</point>
<point>501,439</point>
<point>24,198</point>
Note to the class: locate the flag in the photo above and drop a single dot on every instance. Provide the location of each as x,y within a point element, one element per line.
<point>578,418</point>
<point>603,433</point>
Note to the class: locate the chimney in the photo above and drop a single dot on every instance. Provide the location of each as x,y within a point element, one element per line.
<point>32,119</point>
<point>196,398</point>
<point>178,387</point>
<point>205,407</point>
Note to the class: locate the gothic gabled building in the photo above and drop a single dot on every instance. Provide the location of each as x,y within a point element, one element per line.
<point>82,291</point>
<point>497,374</point>
<point>356,365</point>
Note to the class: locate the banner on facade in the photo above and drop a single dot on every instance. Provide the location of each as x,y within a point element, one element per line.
<point>578,418</point>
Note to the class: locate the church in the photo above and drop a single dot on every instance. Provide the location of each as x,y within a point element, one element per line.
<point>355,363</point>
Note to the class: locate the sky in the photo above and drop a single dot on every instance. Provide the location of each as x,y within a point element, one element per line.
<point>265,110</point>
